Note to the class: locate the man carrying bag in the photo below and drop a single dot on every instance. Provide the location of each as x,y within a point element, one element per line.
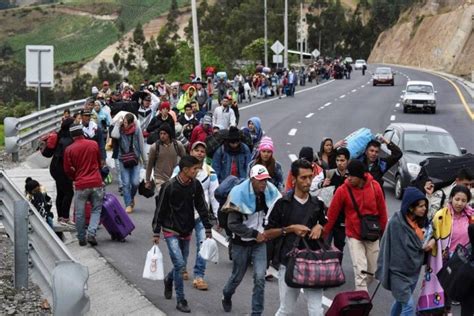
<point>295,216</point>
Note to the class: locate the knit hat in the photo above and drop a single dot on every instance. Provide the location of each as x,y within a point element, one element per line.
<point>234,134</point>
<point>76,130</point>
<point>266,144</point>
<point>166,128</point>
<point>356,168</point>
<point>30,185</point>
<point>207,120</point>
<point>306,153</point>
<point>165,105</point>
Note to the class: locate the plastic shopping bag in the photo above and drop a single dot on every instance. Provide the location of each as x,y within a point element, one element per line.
<point>154,265</point>
<point>209,250</point>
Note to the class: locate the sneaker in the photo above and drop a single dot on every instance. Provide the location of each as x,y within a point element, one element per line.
<point>91,240</point>
<point>120,191</point>
<point>129,209</point>
<point>455,303</point>
<point>183,307</point>
<point>133,203</point>
<point>168,289</point>
<point>185,276</point>
<point>200,284</point>
<point>82,243</point>
<point>269,277</point>
<point>227,305</point>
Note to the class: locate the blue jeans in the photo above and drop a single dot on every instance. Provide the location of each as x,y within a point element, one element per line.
<point>200,265</point>
<point>179,252</point>
<point>117,168</point>
<point>96,196</point>
<point>404,309</point>
<point>130,181</point>
<point>241,258</point>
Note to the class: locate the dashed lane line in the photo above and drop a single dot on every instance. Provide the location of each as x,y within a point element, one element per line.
<point>292,132</point>
<point>392,118</point>
<point>327,104</point>
<point>354,90</point>
<point>309,115</point>
<point>362,86</point>
<point>342,96</point>
<point>397,105</point>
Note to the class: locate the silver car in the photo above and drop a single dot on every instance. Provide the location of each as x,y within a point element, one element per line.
<point>419,95</point>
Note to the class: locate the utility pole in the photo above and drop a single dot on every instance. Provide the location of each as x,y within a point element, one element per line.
<point>285,23</point>
<point>301,31</point>
<point>197,54</point>
<point>319,40</point>
<point>265,28</point>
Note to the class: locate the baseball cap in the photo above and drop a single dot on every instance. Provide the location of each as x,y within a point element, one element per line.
<point>259,172</point>
<point>203,144</point>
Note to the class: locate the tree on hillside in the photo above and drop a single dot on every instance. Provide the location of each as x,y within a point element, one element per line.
<point>172,20</point>
<point>135,55</point>
<point>159,53</point>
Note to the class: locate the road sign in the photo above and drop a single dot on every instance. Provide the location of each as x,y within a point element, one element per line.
<point>39,66</point>
<point>277,59</point>
<point>315,53</point>
<point>277,47</point>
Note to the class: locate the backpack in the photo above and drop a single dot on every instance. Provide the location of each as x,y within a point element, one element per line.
<point>221,194</point>
<point>48,144</point>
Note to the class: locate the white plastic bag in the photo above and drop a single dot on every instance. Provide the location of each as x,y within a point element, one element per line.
<point>209,250</point>
<point>154,265</point>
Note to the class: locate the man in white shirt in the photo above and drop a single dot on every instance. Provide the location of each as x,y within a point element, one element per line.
<point>224,115</point>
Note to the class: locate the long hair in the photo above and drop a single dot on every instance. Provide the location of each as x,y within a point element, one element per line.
<point>270,164</point>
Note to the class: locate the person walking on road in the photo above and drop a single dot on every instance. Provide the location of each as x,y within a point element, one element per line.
<point>376,165</point>
<point>164,156</point>
<point>224,115</point>
<point>402,243</point>
<point>265,157</point>
<point>208,178</point>
<point>247,206</point>
<point>176,203</point>
<point>130,143</point>
<point>82,162</point>
<point>286,222</point>
<point>358,197</point>
<point>308,154</point>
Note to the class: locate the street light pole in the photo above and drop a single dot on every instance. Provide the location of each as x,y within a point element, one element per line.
<point>197,54</point>
<point>301,33</point>
<point>285,23</point>
<point>265,31</point>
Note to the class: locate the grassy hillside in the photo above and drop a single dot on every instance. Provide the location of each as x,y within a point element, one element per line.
<point>76,38</point>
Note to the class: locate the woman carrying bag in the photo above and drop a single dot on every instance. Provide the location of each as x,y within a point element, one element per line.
<point>401,251</point>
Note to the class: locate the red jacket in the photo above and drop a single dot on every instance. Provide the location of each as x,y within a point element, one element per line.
<point>199,134</point>
<point>82,163</point>
<point>370,200</point>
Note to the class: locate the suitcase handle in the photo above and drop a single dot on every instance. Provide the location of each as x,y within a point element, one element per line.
<point>118,220</point>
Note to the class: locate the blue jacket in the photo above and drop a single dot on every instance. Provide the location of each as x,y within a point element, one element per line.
<point>222,161</point>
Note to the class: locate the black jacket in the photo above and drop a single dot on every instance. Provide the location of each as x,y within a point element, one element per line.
<point>280,217</point>
<point>175,206</point>
<point>382,165</point>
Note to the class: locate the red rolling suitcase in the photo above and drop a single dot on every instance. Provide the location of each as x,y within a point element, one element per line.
<point>352,303</point>
<point>114,218</point>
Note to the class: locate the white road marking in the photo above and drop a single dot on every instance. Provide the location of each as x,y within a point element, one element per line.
<point>293,157</point>
<point>288,144</point>
<point>299,122</point>
<point>276,99</point>
<point>292,132</point>
<point>327,104</point>
<point>368,82</point>
<point>321,108</point>
<point>342,96</point>
<point>309,115</point>
<point>354,90</point>
<point>397,105</point>
<point>362,86</point>
<point>392,118</point>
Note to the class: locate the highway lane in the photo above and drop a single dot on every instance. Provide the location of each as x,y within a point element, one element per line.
<point>353,103</point>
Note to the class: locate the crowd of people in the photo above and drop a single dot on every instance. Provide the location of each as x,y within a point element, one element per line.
<point>189,151</point>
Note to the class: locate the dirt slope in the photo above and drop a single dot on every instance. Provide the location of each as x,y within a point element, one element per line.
<point>437,35</point>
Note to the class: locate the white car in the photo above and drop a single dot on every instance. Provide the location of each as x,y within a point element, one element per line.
<point>359,64</point>
<point>348,60</point>
<point>419,95</point>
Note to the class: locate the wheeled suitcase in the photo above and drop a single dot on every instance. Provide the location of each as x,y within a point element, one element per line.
<point>114,218</point>
<point>352,303</point>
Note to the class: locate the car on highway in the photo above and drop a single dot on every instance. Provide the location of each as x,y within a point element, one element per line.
<point>383,75</point>
<point>419,95</point>
<point>359,63</point>
<point>417,142</point>
<point>348,60</point>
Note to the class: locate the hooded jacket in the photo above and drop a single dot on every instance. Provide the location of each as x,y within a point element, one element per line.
<point>401,251</point>
<point>256,135</point>
<point>185,99</point>
<point>370,200</point>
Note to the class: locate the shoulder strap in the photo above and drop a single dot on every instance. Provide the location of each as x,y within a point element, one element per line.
<point>130,147</point>
<point>354,203</point>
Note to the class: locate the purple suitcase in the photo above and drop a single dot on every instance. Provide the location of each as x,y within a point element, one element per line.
<point>115,219</point>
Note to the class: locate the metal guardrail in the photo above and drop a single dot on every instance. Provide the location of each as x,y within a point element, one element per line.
<point>37,247</point>
<point>28,129</point>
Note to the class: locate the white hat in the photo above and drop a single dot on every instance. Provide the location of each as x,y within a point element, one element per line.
<point>259,172</point>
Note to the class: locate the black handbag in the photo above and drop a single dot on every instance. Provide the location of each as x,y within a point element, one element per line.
<point>370,228</point>
<point>452,276</point>
<point>129,159</point>
<point>143,190</point>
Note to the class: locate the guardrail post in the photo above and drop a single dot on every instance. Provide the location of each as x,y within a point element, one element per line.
<point>21,210</point>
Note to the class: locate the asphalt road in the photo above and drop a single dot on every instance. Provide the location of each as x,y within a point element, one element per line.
<point>333,109</point>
